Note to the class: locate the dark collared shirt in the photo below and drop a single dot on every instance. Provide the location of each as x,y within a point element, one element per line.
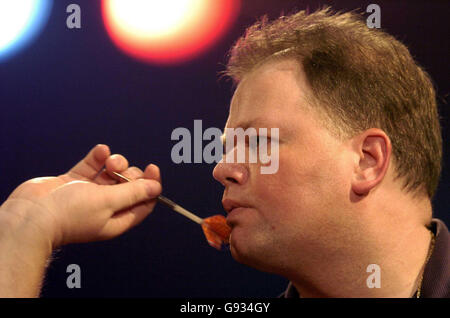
<point>436,277</point>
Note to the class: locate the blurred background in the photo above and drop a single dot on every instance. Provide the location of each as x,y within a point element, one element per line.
<point>64,90</point>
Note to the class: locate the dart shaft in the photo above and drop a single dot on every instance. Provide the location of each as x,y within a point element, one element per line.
<point>180,209</point>
<point>174,206</point>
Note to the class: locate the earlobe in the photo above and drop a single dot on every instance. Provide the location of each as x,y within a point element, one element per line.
<point>374,149</point>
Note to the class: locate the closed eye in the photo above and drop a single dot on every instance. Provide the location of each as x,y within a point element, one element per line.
<point>258,139</point>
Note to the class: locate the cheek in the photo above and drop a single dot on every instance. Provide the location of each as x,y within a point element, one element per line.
<point>277,196</point>
<point>308,180</point>
<point>303,186</point>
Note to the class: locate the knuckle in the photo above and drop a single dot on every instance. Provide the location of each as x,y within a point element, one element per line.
<point>138,193</point>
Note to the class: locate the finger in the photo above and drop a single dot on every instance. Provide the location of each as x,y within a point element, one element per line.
<point>152,172</point>
<point>107,178</point>
<point>126,195</point>
<point>132,173</point>
<point>116,163</point>
<point>90,165</point>
<point>125,220</point>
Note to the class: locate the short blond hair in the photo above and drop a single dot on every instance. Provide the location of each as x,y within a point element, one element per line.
<point>361,78</point>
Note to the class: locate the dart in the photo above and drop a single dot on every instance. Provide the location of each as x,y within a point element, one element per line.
<point>215,228</point>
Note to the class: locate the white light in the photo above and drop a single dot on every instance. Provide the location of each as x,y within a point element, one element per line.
<point>19,21</point>
<point>14,18</point>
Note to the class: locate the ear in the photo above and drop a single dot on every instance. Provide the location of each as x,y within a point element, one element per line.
<point>373,149</point>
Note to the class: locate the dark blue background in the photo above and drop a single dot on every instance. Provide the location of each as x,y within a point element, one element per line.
<point>72,89</point>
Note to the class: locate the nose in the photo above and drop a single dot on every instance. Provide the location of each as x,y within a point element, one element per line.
<point>230,173</point>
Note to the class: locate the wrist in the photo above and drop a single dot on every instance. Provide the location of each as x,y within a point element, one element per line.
<point>22,222</point>
<point>25,251</point>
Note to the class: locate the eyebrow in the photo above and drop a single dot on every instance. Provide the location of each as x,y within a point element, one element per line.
<point>248,124</point>
<point>261,122</point>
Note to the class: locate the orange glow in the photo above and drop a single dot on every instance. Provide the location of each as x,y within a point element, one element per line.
<point>167,31</point>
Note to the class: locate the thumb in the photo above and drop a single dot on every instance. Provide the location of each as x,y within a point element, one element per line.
<point>125,195</point>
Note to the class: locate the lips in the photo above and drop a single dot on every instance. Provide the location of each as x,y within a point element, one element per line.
<point>229,205</point>
<point>234,208</point>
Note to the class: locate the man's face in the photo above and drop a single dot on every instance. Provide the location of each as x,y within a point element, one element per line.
<point>279,218</point>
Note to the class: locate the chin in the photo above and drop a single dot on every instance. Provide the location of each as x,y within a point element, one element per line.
<point>249,252</point>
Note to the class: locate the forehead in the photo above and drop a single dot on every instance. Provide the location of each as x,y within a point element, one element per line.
<point>272,95</point>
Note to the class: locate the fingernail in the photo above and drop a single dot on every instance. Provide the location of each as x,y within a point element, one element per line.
<point>115,158</point>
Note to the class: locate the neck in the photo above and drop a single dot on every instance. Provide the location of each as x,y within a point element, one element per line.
<point>397,242</point>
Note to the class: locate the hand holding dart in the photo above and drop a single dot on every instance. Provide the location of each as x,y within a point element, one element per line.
<point>215,228</point>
